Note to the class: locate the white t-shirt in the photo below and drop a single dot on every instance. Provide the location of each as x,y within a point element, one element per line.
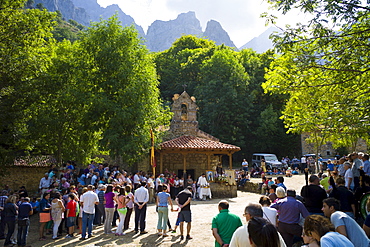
<point>303,160</point>
<point>348,175</point>
<point>240,238</point>
<point>270,214</point>
<point>89,198</point>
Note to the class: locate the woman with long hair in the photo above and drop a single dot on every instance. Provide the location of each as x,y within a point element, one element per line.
<point>10,214</point>
<point>129,206</point>
<point>57,209</point>
<point>44,214</point>
<point>109,209</point>
<point>262,233</point>
<point>121,201</point>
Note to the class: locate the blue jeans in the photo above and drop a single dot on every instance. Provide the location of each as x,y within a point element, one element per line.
<point>22,234</point>
<point>87,222</point>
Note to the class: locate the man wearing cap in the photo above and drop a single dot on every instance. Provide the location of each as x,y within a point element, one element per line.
<point>44,183</point>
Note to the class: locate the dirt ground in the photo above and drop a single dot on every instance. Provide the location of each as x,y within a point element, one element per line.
<point>202,214</point>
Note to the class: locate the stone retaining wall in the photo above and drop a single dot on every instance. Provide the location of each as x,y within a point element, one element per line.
<point>16,176</point>
<point>223,190</point>
<point>250,187</point>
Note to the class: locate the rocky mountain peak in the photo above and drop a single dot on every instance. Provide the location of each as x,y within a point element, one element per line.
<point>215,32</point>
<point>161,34</point>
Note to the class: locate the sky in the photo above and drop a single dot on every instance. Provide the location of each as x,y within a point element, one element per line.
<point>239,18</point>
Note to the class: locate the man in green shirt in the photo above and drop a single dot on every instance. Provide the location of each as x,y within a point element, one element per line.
<point>224,224</point>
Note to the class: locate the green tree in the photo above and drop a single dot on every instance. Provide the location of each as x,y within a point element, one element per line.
<point>181,65</point>
<point>124,89</point>
<point>325,62</point>
<point>223,100</point>
<point>24,55</point>
<point>58,122</point>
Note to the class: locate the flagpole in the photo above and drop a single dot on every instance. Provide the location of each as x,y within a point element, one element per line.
<point>152,157</point>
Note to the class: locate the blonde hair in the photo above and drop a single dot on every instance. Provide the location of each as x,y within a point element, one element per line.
<point>11,199</point>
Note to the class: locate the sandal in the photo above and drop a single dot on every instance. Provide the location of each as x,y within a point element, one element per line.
<point>42,238</point>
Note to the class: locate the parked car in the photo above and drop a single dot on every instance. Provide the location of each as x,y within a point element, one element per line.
<point>270,159</point>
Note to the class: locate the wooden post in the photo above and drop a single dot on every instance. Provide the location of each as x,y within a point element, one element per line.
<point>184,155</point>
<point>208,161</point>
<point>230,161</point>
<point>161,163</point>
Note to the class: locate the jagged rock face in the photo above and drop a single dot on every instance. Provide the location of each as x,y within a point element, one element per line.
<point>96,12</point>
<point>161,34</point>
<point>215,32</point>
<point>68,10</point>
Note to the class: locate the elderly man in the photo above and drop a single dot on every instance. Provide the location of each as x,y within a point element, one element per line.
<point>240,237</point>
<point>348,176</point>
<point>224,224</point>
<point>357,163</point>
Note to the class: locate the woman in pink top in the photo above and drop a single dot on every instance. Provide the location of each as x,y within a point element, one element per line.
<point>121,200</point>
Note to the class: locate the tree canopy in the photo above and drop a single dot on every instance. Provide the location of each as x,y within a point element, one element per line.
<point>324,68</point>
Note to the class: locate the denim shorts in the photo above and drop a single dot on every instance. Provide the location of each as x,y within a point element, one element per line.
<point>71,221</point>
<point>185,216</point>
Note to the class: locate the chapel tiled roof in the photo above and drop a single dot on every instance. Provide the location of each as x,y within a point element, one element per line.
<point>192,142</point>
<point>36,161</point>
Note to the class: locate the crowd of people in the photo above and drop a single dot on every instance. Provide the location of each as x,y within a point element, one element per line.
<point>325,213</point>
<point>99,195</point>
